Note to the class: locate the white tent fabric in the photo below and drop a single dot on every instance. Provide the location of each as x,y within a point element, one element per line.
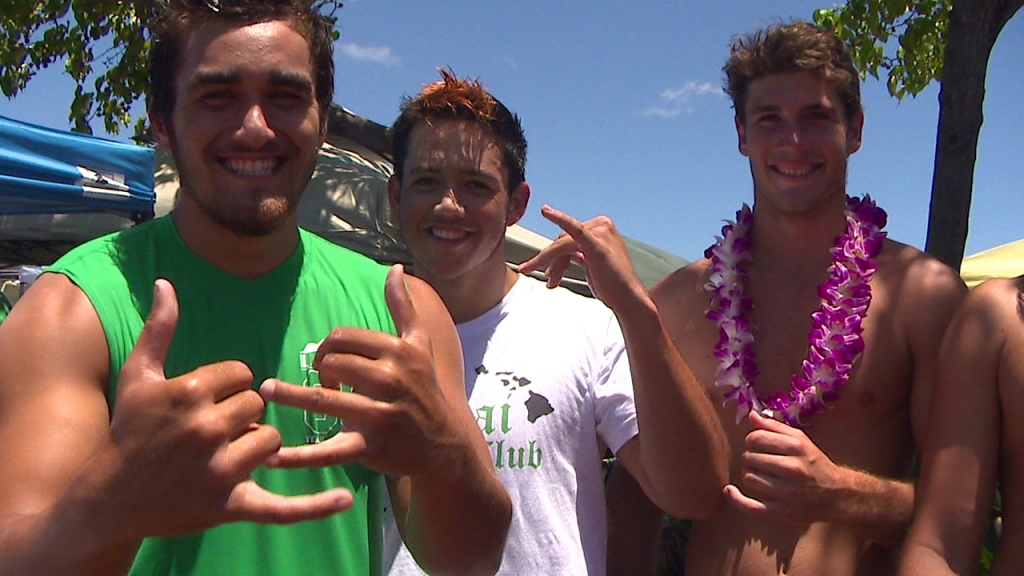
<point>1006,261</point>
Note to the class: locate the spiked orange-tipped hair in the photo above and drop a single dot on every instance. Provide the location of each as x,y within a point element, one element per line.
<point>452,98</point>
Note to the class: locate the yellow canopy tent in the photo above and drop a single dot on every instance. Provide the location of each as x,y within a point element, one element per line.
<point>1006,261</point>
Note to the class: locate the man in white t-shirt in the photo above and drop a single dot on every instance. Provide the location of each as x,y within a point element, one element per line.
<point>546,370</point>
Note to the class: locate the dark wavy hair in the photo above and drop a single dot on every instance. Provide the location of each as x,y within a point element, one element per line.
<point>452,98</point>
<point>178,18</point>
<point>791,47</point>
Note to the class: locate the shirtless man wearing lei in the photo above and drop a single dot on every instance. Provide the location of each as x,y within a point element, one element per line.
<point>822,485</point>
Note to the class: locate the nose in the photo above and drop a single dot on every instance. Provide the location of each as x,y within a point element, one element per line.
<point>255,130</point>
<point>450,201</point>
<point>792,133</point>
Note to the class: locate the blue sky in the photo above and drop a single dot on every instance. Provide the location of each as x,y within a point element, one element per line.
<point>622,108</point>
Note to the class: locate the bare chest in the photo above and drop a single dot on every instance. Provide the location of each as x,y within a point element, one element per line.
<point>875,399</point>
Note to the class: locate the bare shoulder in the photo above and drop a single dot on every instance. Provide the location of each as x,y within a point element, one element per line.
<point>444,340</point>
<point>997,300</point>
<point>922,289</point>
<point>54,327</point>
<point>683,288</point>
<point>428,304</point>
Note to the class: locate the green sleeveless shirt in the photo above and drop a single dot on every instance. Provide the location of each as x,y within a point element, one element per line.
<point>273,324</point>
<point>5,307</point>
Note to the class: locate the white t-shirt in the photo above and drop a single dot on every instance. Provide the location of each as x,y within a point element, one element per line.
<point>547,377</point>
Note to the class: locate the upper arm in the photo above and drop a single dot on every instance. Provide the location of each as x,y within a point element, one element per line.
<point>444,340</point>
<point>961,447</point>
<point>446,351</point>
<point>634,525</point>
<point>53,410</point>
<point>931,295</point>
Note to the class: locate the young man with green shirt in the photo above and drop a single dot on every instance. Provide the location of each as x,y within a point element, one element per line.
<point>135,439</point>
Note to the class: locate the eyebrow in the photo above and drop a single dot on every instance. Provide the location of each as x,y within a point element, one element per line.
<point>817,106</point>
<point>430,168</point>
<point>296,80</point>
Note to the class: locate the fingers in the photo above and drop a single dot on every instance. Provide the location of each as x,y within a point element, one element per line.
<point>248,451</point>
<point>344,447</point>
<point>572,226</point>
<point>150,351</point>
<point>772,464</point>
<point>221,381</point>
<point>345,405</point>
<point>239,412</point>
<point>248,501</point>
<point>772,437</point>
<point>557,256</point>
<point>556,271</point>
<point>562,248</point>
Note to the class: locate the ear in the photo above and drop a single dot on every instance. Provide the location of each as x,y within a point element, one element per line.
<point>323,131</point>
<point>854,131</point>
<point>394,192</point>
<point>517,202</point>
<point>158,124</point>
<point>741,134</point>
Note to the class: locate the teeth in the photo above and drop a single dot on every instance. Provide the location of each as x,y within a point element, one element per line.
<point>249,167</point>
<point>802,172</point>
<point>447,233</point>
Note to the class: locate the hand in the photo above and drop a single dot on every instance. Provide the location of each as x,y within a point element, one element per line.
<point>186,446</point>
<point>397,419</point>
<point>784,474</point>
<point>597,246</point>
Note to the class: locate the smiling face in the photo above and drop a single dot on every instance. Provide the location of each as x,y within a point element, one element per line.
<point>453,202</point>
<point>797,140</point>
<point>245,128</point>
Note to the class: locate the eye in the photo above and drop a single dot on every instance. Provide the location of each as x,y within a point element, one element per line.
<point>479,187</point>
<point>287,98</point>
<point>423,182</point>
<point>216,98</point>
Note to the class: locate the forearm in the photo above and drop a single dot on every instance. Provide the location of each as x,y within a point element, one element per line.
<point>64,542</point>
<point>683,447</point>
<point>880,509</point>
<point>458,520</point>
<point>921,560</point>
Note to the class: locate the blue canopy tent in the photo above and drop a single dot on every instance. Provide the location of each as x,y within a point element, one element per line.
<point>46,175</point>
<point>45,171</point>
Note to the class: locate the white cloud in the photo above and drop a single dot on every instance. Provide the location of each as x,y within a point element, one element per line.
<point>691,88</point>
<point>375,54</point>
<point>663,112</point>
<point>676,101</point>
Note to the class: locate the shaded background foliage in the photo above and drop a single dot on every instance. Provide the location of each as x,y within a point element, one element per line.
<point>915,42</point>
<point>104,46</point>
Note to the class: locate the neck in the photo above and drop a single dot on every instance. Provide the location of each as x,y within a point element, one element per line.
<point>246,257</point>
<point>470,295</point>
<point>795,241</point>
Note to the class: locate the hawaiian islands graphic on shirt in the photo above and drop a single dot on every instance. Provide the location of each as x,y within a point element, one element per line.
<point>496,422</point>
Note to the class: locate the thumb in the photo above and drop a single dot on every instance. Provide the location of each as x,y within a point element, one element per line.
<point>761,422</point>
<point>150,350</point>
<point>399,302</point>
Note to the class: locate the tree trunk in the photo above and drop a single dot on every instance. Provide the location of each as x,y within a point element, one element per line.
<point>974,26</point>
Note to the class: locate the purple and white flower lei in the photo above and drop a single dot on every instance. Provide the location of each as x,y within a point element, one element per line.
<point>835,340</point>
